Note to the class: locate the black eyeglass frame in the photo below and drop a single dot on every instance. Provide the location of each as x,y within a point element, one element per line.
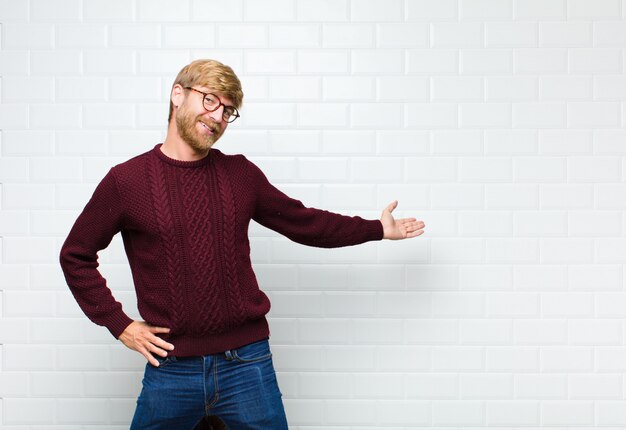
<point>231,118</point>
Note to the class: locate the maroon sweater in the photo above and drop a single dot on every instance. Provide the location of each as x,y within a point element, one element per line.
<point>184,225</point>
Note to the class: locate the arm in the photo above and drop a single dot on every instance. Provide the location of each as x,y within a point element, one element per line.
<point>308,226</point>
<point>93,231</point>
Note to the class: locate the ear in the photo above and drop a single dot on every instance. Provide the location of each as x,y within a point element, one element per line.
<point>177,96</point>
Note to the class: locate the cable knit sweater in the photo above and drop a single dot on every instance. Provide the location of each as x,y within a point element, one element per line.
<point>184,225</point>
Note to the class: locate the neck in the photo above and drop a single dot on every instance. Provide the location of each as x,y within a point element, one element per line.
<point>176,148</point>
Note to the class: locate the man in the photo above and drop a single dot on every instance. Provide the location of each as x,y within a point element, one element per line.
<point>183,210</point>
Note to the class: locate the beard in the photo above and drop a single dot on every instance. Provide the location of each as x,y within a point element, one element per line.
<point>192,131</point>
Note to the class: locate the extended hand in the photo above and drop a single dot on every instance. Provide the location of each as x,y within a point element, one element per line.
<point>403,228</point>
<point>140,336</point>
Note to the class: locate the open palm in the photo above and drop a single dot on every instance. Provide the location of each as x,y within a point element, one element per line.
<point>402,228</point>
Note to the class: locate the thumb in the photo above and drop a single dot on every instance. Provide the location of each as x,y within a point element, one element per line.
<point>392,206</point>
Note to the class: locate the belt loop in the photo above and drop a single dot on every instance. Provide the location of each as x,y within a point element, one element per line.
<point>229,355</point>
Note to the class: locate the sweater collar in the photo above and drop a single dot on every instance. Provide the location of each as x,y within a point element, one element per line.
<point>179,163</point>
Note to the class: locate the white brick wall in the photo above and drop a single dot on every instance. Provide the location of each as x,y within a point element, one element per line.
<point>501,123</point>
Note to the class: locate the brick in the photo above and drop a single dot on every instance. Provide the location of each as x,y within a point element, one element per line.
<point>533,224</point>
<point>55,63</point>
<point>566,305</point>
<point>540,115</point>
<point>400,412</point>
<point>55,170</point>
<point>458,304</point>
<point>609,88</point>
<point>512,305</point>
<point>513,413</point>
<point>322,114</point>
<point>409,35</point>
<point>27,36</point>
<point>610,250</point>
<point>19,250</point>
<point>189,36</point>
<point>510,142</point>
<point>560,196</point>
<point>511,34</point>
<point>57,384</point>
<point>485,332</point>
<point>608,358</point>
<point>540,387</point>
<point>539,169</point>
<point>270,61</point>
<point>431,331</point>
<point>388,61</point>
<point>594,60</point>
<point>540,278</point>
<point>566,359</point>
<point>112,384</point>
<point>399,303</point>
<point>462,196</point>
<point>352,412</point>
<point>15,384</point>
<point>452,142</point>
<point>305,411</point>
<point>452,88</point>
<point>323,10</point>
<point>404,357</point>
<point>403,142</point>
<point>594,332</point>
<point>55,116</point>
<point>595,224</point>
<point>295,88</point>
<point>593,114</point>
<point>348,142</point>
<point>432,61</point>
<point>486,61</point>
<point>602,9</point>
<point>28,411</point>
<point>348,88</point>
<point>216,11</point>
<point>509,88</point>
<point>608,142</point>
<point>594,277</point>
<point>595,387</point>
<point>161,62</point>
<point>378,331</point>
<point>362,277</point>
<point>540,9</point>
<point>563,413</point>
<point>55,10</point>
<point>512,359</point>
<point>424,10</point>
<point>286,304</point>
<point>109,62</point>
<point>26,90</point>
<point>565,250</point>
<point>593,169</point>
<point>80,90</point>
<point>455,413</point>
<point>565,142</point>
<point>18,196</point>
<point>28,304</point>
<point>485,386</point>
<point>610,305</point>
<point>135,89</point>
<point>511,196</point>
<point>110,115</point>
<point>431,115</point>
<point>242,36</point>
<point>611,413</point>
<point>485,278</point>
<point>108,11</point>
<point>540,61</point>
<point>26,143</point>
<point>323,332</point>
<point>435,278</point>
<point>485,169</point>
<point>349,358</point>
<point>78,36</point>
<point>458,35</point>
<point>12,10</point>
<point>83,411</point>
<point>566,88</point>
<point>432,386</point>
<point>348,35</point>
<point>565,34</point>
<point>377,115</point>
<point>269,10</point>
<point>136,36</point>
<point>479,115</point>
<point>324,385</point>
<point>14,63</point>
<point>14,277</point>
<point>540,332</point>
<point>162,10</point>
<point>294,36</point>
<point>130,143</point>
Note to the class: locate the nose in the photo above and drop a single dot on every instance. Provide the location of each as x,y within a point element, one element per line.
<point>216,115</point>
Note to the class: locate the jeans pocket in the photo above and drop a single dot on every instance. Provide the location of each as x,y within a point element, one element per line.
<point>256,351</point>
<point>164,361</point>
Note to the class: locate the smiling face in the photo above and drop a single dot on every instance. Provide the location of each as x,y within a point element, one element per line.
<point>199,128</point>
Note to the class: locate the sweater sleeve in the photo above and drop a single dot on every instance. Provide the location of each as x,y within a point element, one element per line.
<point>308,226</point>
<point>93,231</point>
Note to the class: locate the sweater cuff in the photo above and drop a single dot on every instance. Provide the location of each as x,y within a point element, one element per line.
<point>117,323</point>
<point>375,230</point>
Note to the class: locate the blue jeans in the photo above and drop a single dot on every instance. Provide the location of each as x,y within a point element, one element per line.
<point>239,386</point>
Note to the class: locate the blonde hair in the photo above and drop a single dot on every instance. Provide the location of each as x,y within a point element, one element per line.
<point>212,74</point>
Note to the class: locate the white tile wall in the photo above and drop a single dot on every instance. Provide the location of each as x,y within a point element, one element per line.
<point>501,123</point>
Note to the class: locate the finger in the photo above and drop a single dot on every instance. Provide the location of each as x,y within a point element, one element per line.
<point>149,357</point>
<point>391,206</point>
<point>154,329</point>
<point>156,350</point>
<point>161,343</point>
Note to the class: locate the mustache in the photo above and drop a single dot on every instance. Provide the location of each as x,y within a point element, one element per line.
<point>217,128</point>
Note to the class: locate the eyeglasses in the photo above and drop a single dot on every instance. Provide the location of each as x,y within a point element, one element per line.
<point>211,102</point>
